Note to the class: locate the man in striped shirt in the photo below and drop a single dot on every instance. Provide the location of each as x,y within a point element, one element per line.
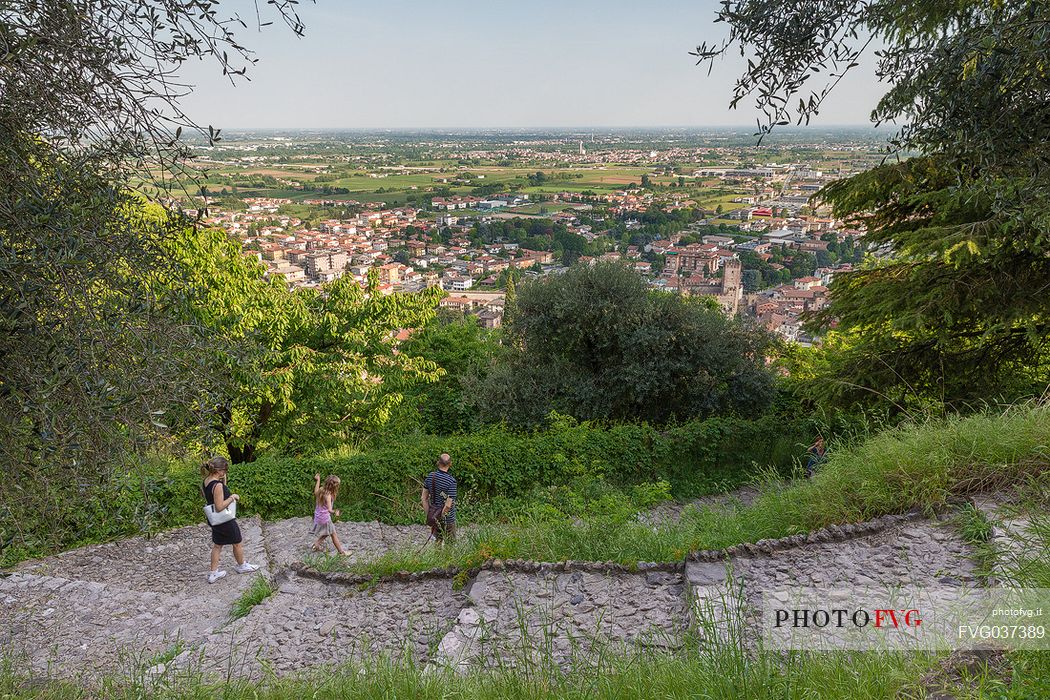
<point>439,500</point>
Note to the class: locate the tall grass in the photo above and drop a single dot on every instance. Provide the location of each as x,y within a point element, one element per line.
<point>718,675</point>
<point>1027,672</point>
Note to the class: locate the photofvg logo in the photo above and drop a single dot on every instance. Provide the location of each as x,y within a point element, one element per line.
<point>905,618</point>
<point>878,618</point>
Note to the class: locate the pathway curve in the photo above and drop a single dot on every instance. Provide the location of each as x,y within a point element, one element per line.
<point>78,611</point>
<point>672,511</point>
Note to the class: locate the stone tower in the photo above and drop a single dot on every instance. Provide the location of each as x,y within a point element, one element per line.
<point>732,286</point>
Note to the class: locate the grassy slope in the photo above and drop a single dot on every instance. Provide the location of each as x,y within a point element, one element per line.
<point>921,466</point>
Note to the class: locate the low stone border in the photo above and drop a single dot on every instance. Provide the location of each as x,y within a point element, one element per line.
<point>571,565</point>
<point>514,565</point>
<point>348,579</point>
<point>831,533</point>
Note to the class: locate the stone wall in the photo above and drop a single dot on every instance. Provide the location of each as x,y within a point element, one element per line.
<point>557,617</point>
<point>312,624</point>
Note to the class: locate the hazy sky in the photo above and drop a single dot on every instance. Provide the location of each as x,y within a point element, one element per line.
<point>476,63</point>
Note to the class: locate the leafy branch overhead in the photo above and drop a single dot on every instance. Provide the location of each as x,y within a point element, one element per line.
<point>95,367</point>
<point>789,43</point>
<point>954,303</point>
<point>965,78</point>
<point>103,75</point>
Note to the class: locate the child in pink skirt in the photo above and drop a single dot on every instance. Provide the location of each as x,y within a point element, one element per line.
<point>324,511</point>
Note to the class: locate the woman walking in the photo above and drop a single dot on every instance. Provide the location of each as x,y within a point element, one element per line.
<point>224,529</point>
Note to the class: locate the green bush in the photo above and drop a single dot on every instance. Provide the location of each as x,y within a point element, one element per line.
<point>496,468</point>
<point>494,463</point>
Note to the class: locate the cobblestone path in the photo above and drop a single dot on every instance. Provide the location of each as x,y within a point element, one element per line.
<point>145,603</point>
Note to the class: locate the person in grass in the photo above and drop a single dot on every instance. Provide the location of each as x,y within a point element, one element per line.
<point>817,454</point>
<point>217,494</point>
<point>324,511</point>
<point>439,500</point>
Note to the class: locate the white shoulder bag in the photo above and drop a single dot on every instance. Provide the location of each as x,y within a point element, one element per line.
<point>218,517</point>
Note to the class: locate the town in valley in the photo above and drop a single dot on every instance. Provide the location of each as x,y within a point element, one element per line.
<point>709,213</point>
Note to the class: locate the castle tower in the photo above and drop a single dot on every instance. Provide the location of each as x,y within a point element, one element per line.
<point>732,286</point>
<point>733,274</point>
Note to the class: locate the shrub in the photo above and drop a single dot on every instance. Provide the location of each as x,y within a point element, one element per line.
<point>493,463</point>
<point>496,468</point>
<point>597,343</point>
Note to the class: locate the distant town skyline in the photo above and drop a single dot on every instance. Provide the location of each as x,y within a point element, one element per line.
<point>470,64</point>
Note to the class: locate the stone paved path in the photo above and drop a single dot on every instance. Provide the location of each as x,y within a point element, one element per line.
<point>173,562</point>
<point>1017,536</point>
<point>109,606</point>
<point>75,612</point>
<point>287,541</point>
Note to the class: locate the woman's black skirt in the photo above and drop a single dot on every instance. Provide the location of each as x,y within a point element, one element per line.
<point>228,532</point>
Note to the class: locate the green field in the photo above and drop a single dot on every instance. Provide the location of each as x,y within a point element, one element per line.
<point>539,208</point>
<point>374,184</point>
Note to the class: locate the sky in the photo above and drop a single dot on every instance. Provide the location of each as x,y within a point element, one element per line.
<point>490,63</point>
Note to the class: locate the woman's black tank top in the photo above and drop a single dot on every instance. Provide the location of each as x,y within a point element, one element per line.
<point>209,491</point>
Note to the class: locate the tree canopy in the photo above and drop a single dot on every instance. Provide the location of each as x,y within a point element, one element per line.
<point>595,343</point>
<point>462,349</point>
<point>294,369</point>
<point>954,306</point>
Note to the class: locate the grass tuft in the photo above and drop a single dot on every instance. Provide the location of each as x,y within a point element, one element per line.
<point>259,590</point>
<point>974,525</point>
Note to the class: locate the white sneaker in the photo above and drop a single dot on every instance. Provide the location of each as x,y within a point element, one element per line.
<point>215,576</point>
<point>245,568</point>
